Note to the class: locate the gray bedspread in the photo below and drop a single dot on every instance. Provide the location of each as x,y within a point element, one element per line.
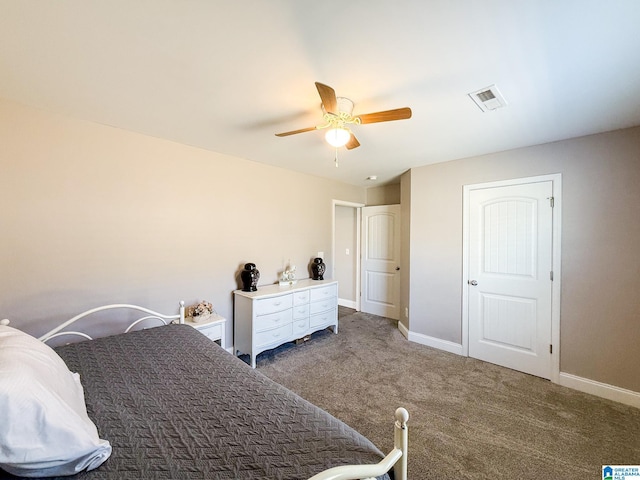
<point>175,405</point>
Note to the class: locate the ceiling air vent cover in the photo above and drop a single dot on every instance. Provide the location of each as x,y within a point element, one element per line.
<point>488,98</point>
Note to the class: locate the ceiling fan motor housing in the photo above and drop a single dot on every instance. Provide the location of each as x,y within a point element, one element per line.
<point>345,105</point>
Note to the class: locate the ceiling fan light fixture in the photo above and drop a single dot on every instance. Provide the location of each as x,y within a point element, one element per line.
<point>337,137</point>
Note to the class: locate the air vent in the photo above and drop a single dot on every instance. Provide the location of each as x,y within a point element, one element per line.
<point>488,98</point>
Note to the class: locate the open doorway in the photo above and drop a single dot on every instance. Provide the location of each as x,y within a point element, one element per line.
<point>366,257</point>
<point>346,252</point>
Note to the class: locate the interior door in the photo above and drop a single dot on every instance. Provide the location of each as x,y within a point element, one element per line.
<point>510,283</point>
<point>381,261</point>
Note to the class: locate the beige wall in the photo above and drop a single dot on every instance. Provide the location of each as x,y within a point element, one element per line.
<point>600,305</point>
<point>405,247</point>
<point>383,195</point>
<point>92,215</point>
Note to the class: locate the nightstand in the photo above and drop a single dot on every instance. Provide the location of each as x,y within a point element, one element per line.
<point>213,327</point>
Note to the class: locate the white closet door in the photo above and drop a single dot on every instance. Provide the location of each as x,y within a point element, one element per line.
<point>510,286</point>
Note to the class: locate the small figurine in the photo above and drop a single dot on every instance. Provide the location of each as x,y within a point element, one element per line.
<point>288,276</point>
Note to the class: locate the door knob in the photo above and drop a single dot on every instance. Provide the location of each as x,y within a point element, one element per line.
<point>472,282</point>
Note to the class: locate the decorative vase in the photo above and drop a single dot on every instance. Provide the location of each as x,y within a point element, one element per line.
<point>200,318</point>
<point>250,276</point>
<point>317,268</point>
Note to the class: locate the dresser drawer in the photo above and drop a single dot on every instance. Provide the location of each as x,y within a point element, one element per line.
<point>321,319</point>
<point>271,320</point>
<point>274,336</point>
<point>301,297</point>
<point>300,327</point>
<point>265,306</point>
<point>321,293</point>
<point>322,306</point>
<point>300,312</point>
<point>214,332</point>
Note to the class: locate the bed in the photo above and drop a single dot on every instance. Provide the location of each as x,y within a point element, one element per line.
<point>172,404</point>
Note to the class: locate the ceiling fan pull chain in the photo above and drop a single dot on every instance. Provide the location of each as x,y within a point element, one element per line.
<point>336,159</point>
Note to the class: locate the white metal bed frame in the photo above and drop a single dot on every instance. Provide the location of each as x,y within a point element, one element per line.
<point>152,315</point>
<point>396,459</point>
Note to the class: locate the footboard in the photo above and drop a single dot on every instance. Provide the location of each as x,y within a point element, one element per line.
<point>151,315</point>
<point>397,458</point>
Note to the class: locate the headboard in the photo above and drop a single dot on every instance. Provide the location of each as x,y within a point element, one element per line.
<point>150,315</point>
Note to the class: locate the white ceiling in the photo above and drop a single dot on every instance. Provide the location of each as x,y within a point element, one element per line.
<point>227,75</point>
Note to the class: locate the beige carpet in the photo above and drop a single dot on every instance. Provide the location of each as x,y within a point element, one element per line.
<point>469,419</point>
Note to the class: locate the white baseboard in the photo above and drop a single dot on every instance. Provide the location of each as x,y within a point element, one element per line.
<point>438,343</point>
<point>599,389</point>
<point>347,303</point>
<point>604,390</point>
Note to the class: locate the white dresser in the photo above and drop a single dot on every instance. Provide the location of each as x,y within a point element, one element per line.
<point>276,314</point>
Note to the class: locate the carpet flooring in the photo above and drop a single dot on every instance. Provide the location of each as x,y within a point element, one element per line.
<point>468,419</point>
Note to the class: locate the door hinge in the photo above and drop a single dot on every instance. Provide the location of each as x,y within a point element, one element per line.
<point>550,348</point>
<point>551,201</point>
<point>551,275</point>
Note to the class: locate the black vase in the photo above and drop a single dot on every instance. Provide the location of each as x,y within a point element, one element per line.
<point>317,269</point>
<point>250,276</point>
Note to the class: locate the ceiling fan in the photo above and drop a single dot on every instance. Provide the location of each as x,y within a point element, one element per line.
<point>338,115</point>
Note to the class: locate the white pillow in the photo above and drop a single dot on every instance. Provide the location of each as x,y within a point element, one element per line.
<point>45,427</point>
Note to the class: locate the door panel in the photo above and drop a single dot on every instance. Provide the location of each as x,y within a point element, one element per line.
<point>381,260</point>
<point>509,321</point>
<point>510,240</point>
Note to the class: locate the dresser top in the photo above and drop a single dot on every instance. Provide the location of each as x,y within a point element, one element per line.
<point>276,289</point>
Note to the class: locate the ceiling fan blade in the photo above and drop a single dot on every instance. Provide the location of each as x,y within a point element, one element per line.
<point>293,132</point>
<point>352,143</point>
<point>328,96</point>
<point>386,116</point>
